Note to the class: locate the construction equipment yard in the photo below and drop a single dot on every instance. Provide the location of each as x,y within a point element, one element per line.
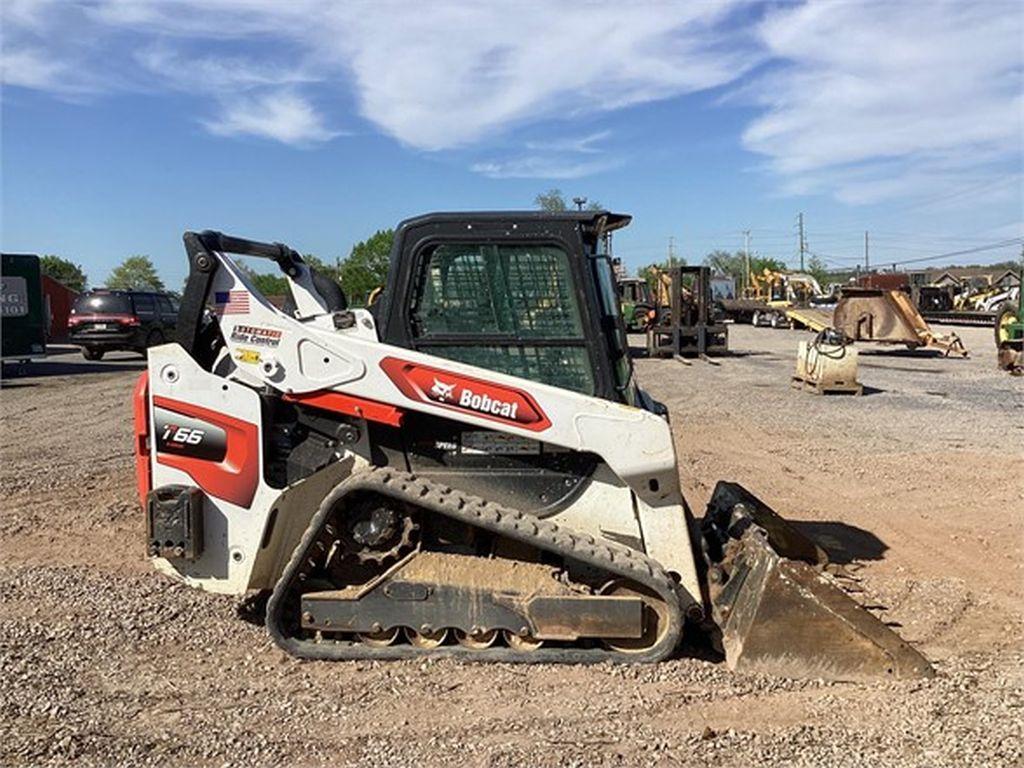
<point>915,486</point>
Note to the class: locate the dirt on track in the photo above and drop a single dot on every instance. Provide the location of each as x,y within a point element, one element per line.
<point>918,485</point>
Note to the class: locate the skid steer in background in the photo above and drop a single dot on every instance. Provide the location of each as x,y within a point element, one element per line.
<point>1009,331</point>
<point>468,470</point>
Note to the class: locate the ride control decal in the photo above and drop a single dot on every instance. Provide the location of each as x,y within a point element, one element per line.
<point>464,393</point>
<point>256,336</point>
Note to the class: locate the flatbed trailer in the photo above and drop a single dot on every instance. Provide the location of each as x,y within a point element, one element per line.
<point>960,317</point>
<point>810,318</point>
<point>753,311</point>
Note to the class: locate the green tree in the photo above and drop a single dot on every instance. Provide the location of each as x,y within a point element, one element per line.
<point>650,272</point>
<point>319,265</point>
<point>816,268</point>
<point>367,265</point>
<point>266,283</point>
<point>734,264</point>
<point>64,271</point>
<point>553,201</point>
<point>136,273</point>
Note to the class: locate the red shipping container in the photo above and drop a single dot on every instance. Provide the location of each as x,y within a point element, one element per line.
<point>57,302</point>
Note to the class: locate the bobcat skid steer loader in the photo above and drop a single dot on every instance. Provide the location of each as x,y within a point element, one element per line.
<point>467,469</point>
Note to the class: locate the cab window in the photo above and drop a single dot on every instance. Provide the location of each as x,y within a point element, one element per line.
<point>510,308</point>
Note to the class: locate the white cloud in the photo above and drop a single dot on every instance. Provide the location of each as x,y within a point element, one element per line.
<point>444,75</point>
<point>584,144</point>
<point>31,68</point>
<point>282,116</point>
<point>876,100</point>
<point>864,101</point>
<point>435,76</point>
<point>214,74</point>
<point>543,167</point>
<point>563,157</point>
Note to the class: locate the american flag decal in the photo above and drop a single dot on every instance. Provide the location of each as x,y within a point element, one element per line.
<point>231,302</point>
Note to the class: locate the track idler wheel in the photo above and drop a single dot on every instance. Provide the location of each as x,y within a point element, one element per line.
<point>477,640</point>
<point>519,642</point>
<point>380,639</point>
<point>427,639</point>
<point>655,617</point>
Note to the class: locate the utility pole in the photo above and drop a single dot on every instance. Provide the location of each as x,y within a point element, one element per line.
<point>803,244</point>
<point>867,264</point>
<point>671,250</point>
<point>580,202</point>
<point>746,261</point>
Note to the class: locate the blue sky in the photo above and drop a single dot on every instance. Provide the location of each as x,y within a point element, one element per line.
<point>126,122</point>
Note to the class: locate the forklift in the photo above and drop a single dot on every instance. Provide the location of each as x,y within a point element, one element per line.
<point>685,322</point>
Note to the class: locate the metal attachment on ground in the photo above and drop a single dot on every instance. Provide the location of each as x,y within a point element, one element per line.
<point>828,364</point>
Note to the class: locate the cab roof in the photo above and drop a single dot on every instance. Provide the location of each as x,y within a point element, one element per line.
<point>594,222</point>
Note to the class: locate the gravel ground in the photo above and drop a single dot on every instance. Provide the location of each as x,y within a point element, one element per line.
<point>104,662</point>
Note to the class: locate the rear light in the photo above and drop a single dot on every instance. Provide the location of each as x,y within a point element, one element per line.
<point>129,320</point>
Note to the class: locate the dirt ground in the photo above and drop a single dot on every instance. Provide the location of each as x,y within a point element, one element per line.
<point>918,483</point>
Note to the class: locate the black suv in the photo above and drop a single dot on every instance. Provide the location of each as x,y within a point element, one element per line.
<point>103,321</point>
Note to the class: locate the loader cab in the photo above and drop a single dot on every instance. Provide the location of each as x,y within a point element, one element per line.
<point>531,294</point>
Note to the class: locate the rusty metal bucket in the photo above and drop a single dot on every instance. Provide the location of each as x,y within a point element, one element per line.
<point>780,611</point>
<point>889,317</point>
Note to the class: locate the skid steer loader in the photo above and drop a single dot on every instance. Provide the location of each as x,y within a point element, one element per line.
<point>469,469</point>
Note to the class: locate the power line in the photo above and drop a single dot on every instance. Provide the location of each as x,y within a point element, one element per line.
<point>979,249</point>
<point>837,260</point>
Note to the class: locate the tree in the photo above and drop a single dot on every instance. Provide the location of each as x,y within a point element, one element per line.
<point>816,268</point>
<point>319,265</point>
<point>554,202</point>
<point>266,283</point>
<point>734,264</point>
<point>64,271</point>
<point>270,285</point>
<point>551,201</point>
<point>650,272</point>
<point>367,265</point>
<point>136,273</point>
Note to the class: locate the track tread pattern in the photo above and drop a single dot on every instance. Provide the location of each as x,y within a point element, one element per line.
<point>615,559</point>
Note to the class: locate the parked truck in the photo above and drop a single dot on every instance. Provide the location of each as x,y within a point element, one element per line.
<point>22,311</point>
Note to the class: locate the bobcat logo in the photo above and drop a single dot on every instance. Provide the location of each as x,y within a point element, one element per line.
<point>441,391</point>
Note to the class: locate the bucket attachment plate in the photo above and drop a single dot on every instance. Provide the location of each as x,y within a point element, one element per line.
<point>779,612</point>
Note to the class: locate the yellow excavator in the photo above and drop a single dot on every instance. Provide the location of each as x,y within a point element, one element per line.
<point>770,294</point>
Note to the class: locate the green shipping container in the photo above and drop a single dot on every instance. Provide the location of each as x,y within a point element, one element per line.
<point>23,319</point>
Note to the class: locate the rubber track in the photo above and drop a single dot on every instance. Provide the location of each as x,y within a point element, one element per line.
<point>613,558</point>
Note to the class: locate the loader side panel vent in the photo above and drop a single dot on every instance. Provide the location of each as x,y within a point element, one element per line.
<point>509,308</point>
